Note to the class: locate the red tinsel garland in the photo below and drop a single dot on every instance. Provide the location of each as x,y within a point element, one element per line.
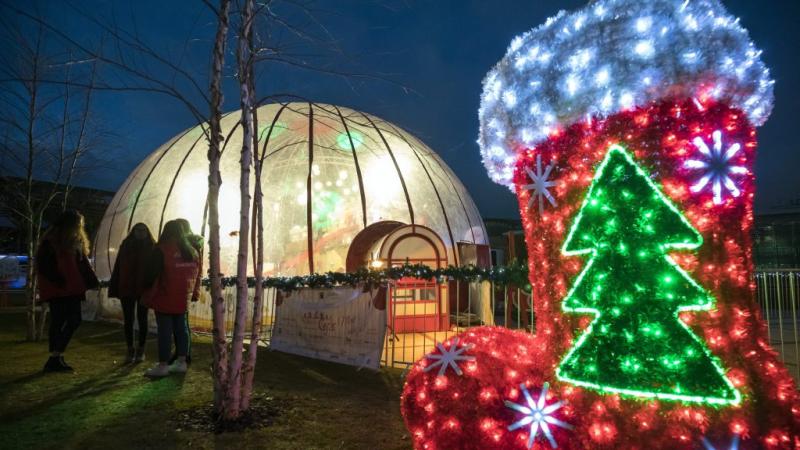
<point>468,411</point>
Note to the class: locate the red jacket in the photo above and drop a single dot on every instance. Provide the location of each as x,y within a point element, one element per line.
<point>175,285</point>
<point>127,280</point>
<point>62,272</point>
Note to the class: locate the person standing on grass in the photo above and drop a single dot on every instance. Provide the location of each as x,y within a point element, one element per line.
<point>64,274</point>
<point>127,284</point>
<point>197,243</point>
<point>171,278</point>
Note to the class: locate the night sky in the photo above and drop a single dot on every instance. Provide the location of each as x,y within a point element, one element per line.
<point>437,53</point>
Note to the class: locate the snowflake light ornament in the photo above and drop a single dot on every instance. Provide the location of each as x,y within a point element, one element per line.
<point>448,357</point>
<point>540,184</point>
<point>538,415</point>
<point>716,166</point>
<point>734,443</point>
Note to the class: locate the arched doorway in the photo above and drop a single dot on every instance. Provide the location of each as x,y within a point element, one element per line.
<point>361,250</point>
<point>416,305</point>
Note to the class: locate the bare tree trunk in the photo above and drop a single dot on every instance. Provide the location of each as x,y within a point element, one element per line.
<point>247,101</point>
<point>30,220</point>
<point>219,348</point>
<point>258,246</point>
<point>30,282</point>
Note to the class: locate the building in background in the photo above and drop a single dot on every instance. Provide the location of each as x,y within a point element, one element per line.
<point>91,202</point>
<point>776,239</point>
<point>506,240</point>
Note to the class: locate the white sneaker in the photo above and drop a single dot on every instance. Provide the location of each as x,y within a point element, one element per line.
<point>178,367</point>
<point>157,371</point>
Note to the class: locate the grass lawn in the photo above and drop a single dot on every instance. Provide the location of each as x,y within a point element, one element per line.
<point>106,404</point>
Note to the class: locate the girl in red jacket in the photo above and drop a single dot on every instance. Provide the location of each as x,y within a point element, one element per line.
<point>172,280</point>
<point>127,284</point>
<point>64,274</point>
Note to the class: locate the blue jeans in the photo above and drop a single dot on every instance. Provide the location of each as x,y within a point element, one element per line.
<point>170,325</point>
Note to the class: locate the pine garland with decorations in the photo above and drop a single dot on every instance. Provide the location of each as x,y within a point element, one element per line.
<point>627,131</point>
<point>514,274</point>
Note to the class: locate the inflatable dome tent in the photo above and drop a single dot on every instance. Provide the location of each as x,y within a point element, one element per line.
<point>341,189</point>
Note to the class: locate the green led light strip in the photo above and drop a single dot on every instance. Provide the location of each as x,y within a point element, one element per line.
<point>637,345</point>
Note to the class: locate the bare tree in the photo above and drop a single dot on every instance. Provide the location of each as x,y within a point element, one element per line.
<point>257,235</point>
<point>81,144</point>
<point>48,136</point>
<point>247,102</point>
<point>131,61</point>
<point>219,343</point>
<point>130,65</point>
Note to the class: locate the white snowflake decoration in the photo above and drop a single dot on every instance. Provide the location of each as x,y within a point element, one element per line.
<point>716,166</point>
<point>538,414</point>
<point>449,357</point>
<point>734,443</point>
<point>540,184</point>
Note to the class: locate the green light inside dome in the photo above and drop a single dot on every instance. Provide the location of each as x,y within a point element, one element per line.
<point>343,141</point>
<point>277,130</point>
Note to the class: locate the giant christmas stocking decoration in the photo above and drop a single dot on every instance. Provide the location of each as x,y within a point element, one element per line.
<point>627,131</point>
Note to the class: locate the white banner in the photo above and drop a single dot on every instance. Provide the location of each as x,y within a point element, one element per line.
<point>342,325</point>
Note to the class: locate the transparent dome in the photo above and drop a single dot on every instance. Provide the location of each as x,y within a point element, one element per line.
<point>329,172</point>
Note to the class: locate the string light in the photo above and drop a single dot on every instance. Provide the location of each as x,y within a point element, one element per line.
<point>637,345</point>
<point>655,76</point>
<point>687,50</point>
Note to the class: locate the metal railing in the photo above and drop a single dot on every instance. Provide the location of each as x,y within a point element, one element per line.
<point>415,325</point>
<point>411,330</point>
<point>778,293</point>
<point>421,314</point>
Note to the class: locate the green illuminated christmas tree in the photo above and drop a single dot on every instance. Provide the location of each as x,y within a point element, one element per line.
<point>637,345</point>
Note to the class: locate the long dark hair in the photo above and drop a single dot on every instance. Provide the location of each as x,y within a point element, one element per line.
<point>173,232</point>
<point>131,242</point>
<point>67,232</point>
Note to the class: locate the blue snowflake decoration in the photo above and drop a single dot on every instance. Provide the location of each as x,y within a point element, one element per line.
<point>537,415</point>
<point>716,166</point>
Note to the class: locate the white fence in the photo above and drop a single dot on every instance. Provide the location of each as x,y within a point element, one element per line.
<point>778,292</point>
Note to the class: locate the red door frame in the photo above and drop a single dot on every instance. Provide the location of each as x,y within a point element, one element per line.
<point>437,321</point>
